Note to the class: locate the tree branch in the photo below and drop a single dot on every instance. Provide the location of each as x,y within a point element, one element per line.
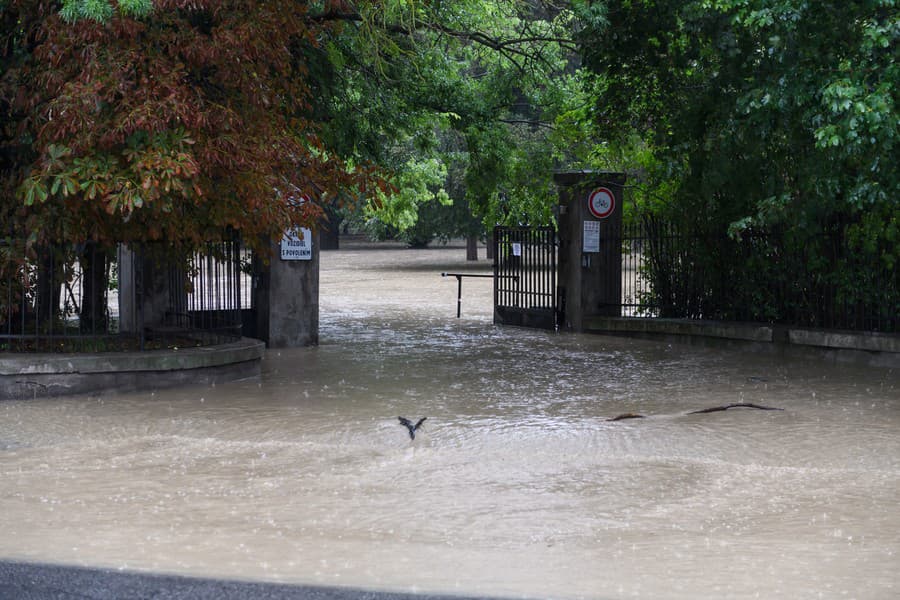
<point>479,37</point>
<point>527,122</point>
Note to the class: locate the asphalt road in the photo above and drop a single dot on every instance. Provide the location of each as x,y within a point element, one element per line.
<point>29,581</point>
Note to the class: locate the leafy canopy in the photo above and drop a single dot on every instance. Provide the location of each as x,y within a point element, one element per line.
<point>758,117</point>
<point>463,82</point>
<point>175,126</point>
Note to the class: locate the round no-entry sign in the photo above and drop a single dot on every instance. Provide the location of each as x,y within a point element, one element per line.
<point>601,202</point>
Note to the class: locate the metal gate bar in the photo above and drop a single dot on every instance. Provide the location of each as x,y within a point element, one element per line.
<point>525,276</point>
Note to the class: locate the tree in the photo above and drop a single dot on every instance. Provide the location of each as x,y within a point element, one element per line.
<point>119,126</point>
<point>406,77</point>
<point>170,119</point>
<point>781,105</point>
<point>764,116</point>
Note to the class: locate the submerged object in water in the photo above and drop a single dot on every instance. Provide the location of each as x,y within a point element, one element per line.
<point>735,405</point>
<point>409,425</point>
<point>624,416</point>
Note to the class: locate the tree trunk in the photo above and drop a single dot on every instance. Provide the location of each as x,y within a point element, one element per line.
<point>489,247</point>
<point>472,247</point>
<point>330,229</point>
<point>94,262</point>
<point>49,288</point>
<point>329,237</point>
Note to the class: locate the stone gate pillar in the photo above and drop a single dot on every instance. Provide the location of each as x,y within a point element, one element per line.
<point>286,296</point>
<point>151,287</point>
<point>590,246</point>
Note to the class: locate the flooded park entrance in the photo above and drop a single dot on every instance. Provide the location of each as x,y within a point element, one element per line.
<point>516,485</point>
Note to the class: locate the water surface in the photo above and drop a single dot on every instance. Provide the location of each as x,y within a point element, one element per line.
<point>517,486</point>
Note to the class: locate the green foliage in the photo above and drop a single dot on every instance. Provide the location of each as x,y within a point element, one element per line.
<point>417,184</point>
<point>758,117</point>
<point>103,10</point>
<point>718,84</point>
<point>483,74</point>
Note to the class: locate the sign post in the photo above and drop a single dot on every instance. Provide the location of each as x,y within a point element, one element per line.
<point>590,252</point>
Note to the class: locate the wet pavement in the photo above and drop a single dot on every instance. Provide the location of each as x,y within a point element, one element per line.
<point>24,581</point>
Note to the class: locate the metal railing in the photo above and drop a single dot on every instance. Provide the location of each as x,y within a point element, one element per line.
<point>765,277</point>
<point>91,298</point>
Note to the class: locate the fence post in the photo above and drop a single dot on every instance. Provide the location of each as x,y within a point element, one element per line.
<point>287,292</point>
<point>590,245</point>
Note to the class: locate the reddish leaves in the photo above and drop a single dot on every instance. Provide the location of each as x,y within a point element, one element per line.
<point>174,127</point>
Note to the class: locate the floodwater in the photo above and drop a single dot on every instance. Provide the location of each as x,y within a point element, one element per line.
<point>516,486</point>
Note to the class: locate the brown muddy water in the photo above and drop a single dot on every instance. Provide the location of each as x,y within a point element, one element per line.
<point>516,487</point>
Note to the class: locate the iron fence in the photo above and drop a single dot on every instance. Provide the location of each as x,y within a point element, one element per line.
<point>761,276</point>
<point>89,297</point>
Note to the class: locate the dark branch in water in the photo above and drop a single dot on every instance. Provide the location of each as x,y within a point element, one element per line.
<point>624,416</point>
<point>736,405</point>
<point>409,425</point>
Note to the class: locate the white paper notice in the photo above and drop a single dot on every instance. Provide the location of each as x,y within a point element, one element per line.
<point>591,236</point>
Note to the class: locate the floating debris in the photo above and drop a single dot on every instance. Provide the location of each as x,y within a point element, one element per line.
<point>624,416</point>
<point>409,425</point>
<point>735,405</point>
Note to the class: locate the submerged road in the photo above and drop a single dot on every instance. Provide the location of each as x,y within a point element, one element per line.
<point>33,581</point>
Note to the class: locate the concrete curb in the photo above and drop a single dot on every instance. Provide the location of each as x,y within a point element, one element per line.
<point>749,332</point>
<point>864,348</point>
<point>33,375</point>
<point>873,342</point>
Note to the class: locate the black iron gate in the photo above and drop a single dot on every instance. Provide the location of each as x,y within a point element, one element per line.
<point>525,277</point>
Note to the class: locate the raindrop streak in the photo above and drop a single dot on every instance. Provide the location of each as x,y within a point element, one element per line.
<point>520,486</point>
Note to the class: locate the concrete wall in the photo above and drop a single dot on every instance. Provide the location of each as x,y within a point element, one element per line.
<point>287,300</point>
<point>24,376</point>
